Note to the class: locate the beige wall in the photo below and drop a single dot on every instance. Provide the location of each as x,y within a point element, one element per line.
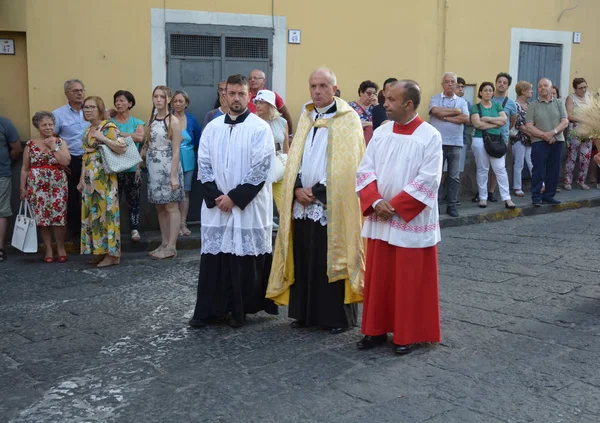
<point>12,15</point>
<point>401,38</point>
<point>14,104</point>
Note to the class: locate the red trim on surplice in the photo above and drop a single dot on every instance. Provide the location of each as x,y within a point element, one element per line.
<point>407,206</point>
<point>401,293</point>
<point>409,128</point>
<point>368,195</point>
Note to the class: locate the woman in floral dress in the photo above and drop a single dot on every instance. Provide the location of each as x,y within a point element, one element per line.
<point>165,176</point>
<point>100,219</point>
<point>44,184</point>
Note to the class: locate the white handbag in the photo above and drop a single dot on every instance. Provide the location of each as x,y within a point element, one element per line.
<point>115,163</point>
<point>280,161</point>
<point>25,231</point>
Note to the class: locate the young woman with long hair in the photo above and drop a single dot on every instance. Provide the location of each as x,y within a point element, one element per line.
<point>165,176</point>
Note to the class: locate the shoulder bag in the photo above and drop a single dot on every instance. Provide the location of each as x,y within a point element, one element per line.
<point>114,162</point>
<point>494,144</point>
<point>25,231</point>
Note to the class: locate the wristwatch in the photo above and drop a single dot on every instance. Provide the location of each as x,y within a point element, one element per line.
<point>555,131</point>
<point>57,148</point>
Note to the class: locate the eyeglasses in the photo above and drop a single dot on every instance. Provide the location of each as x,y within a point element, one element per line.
<point>255,78</point>
<point>78,91</point>
<point>90,108</point>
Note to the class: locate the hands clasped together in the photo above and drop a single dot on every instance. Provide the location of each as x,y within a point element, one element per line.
<point>384,210</point>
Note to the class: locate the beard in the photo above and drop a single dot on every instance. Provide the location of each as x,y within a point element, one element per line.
<point>237,107</point>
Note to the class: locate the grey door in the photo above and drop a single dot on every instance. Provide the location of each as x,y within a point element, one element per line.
<point>537,60</point>
<point>199,56</point>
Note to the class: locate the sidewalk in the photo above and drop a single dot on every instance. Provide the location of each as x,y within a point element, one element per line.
<point>469,213</point>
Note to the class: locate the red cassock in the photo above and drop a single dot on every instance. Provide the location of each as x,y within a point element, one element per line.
<point>401,284</point>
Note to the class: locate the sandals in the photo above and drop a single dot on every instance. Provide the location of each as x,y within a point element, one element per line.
<point>63,259</point>
<point>483,204</point>
<point>165,253</point>
<point>109,261</point>
<point>183,229</point>
<point>510,205</point>
<point>95,260</point>
<point>48,260</point>
<point>135,235</point>
<point>519,193</point>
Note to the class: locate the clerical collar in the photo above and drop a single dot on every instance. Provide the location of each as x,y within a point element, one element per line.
<point>409,127</point>
<point>234,120</point>
<point>330,108</point>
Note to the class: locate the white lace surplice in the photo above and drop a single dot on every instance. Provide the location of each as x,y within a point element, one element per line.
<point>313,170</point>
<point>231,155</point>
<point>410,163</point>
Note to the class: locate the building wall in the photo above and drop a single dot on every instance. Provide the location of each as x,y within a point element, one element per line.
<point>418,40</point>
<point>13,72</point>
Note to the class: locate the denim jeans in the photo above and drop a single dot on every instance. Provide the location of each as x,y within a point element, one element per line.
<point>546,167</point>
<point>452,156</point>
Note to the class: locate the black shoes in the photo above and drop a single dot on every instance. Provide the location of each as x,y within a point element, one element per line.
<point>537,203</point>
<point>337,331</point>
<point>451,210</point>
<point>197,323</point>
<point>234,323</point>
<point>369,342</point>
<point>296,324</point>
<point>551,201</point>
<point>402,349</point>
<point>492,198</point>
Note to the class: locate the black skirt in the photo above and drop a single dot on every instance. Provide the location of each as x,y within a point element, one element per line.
<point>313,299</point>
<point>233,284</point>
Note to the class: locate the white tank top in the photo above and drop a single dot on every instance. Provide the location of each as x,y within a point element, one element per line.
<point>278,127</point>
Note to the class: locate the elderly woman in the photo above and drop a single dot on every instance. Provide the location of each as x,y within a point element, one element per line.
<point>521,143</point>
<point>44,183</point>
<point>577,147</point>
<point>267,111</point>
<point>367,99</point>
<point>100,220</point>
<point>489,117</point>
<point>190,134</point>
<point>130,181</point>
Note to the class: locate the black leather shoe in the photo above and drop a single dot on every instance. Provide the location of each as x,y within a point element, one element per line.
<point>452,211</point>
<point>492,198</point>
<point>197,323</point>
<point>402,349</point>
<point>235,323</point>
<point>551,201</point>
<point>537,204</point>
<point>369,342</point>
<point>296,324</point>
<point>336,331</point>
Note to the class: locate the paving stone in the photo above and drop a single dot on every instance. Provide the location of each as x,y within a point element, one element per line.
<point>458,415</point>
<point>580,395</point>
<point>475,316</point>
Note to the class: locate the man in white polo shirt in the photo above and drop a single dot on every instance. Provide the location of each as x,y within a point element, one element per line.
<point>448,114</point>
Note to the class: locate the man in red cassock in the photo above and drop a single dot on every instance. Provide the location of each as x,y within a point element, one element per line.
<point>397,182</point>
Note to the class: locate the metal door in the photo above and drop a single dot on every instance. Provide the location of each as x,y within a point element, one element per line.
<point>199,56</point>
<point>538,60</point>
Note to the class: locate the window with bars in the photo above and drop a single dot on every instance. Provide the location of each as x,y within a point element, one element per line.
<point>248,48</point>
<point>189,45</point>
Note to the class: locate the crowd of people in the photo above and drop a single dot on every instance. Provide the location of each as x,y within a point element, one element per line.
<point>247,160</point>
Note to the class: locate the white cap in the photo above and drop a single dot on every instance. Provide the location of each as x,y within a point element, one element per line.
<point>266,96</point>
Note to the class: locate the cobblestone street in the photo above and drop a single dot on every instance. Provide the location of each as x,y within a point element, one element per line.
<point>520,302</point>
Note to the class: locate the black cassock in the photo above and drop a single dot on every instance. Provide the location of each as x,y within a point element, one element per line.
<point>313,299</point>
<point>229,283</point>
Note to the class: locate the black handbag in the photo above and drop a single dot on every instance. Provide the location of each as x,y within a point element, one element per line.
<point>494,144</point>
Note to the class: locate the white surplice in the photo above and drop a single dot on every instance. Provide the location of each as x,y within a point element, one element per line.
<point>404,162</point>
<point>231,155</point>
<point>313,169</point>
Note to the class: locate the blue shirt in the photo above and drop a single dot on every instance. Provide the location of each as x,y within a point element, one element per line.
<point>129,127</point>
<point>511,110</point>
<point>193,128</point>
<point>8,135</point>
<point>452,133</point>
<point>70,127</point>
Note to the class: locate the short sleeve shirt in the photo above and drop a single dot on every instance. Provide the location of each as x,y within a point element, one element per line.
<point>70,126</point>
<point>452,133</point>
<point>546,116</point>
<point>493,111</point>
<point>278,102</point>
<point>8,135</point>
<point>511,110</point>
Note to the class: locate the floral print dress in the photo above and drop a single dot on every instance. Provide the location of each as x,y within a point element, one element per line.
<point>158,161</point>
<point>47,189</point>
<point>100,218</point>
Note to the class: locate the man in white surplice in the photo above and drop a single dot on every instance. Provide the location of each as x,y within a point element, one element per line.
<point>235,166</point>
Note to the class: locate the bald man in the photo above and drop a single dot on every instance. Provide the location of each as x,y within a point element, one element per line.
<point>257,80</point>
<point>546,120</point>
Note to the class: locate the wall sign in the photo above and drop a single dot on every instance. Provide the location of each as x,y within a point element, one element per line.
<point>7,46</point>
<point>576,37</point>
<point>294,36</point>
